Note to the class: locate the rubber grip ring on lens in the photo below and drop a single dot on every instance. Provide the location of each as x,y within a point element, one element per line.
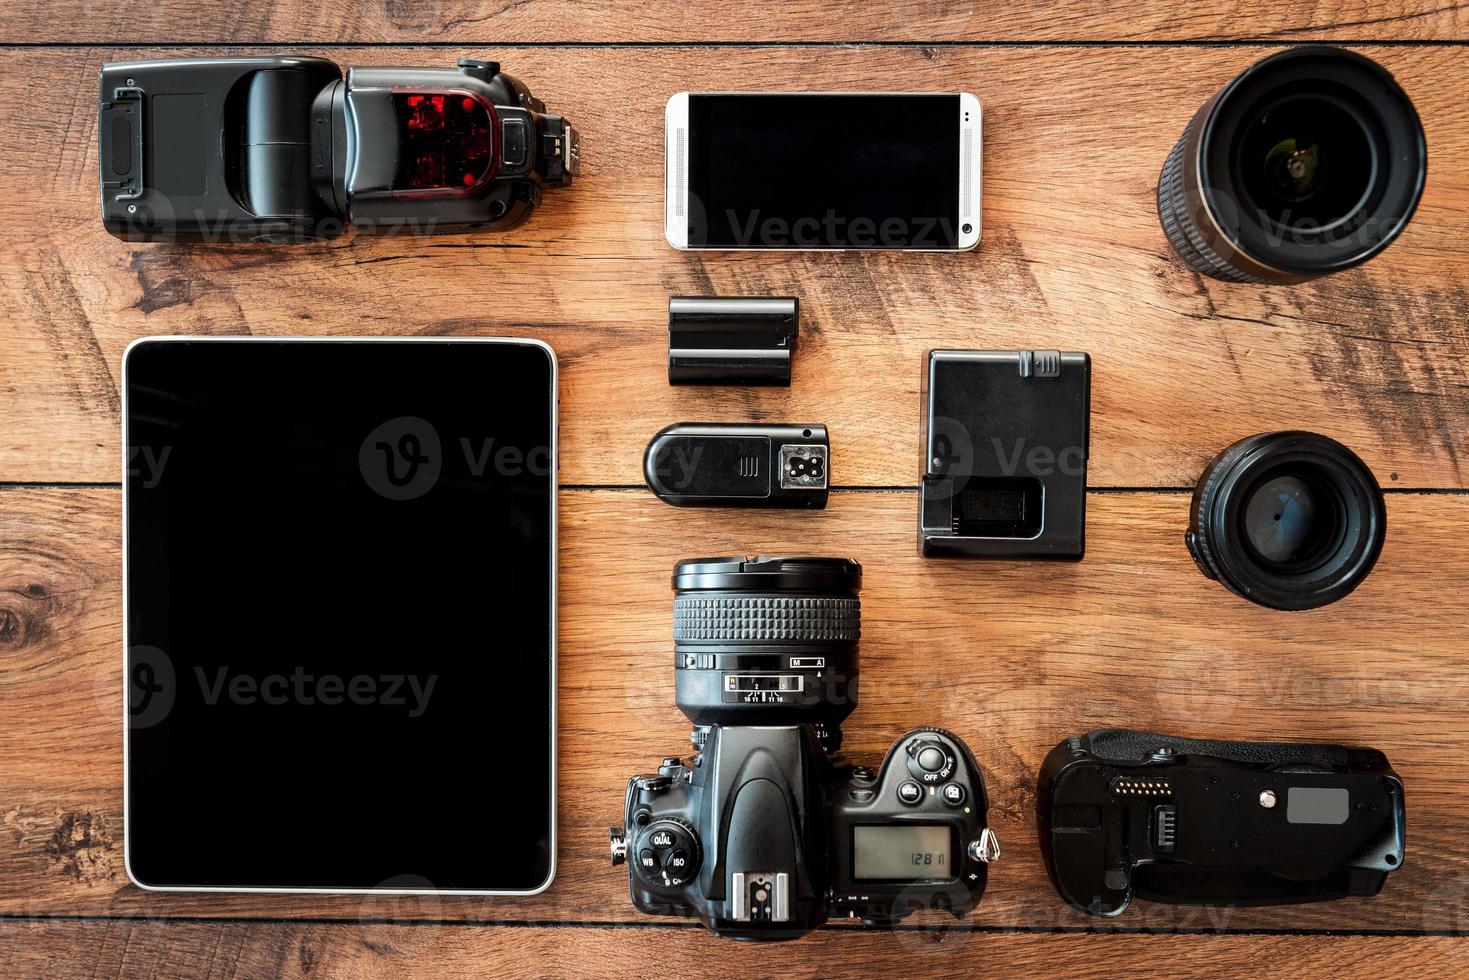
<point>1182,230</point>
<point>780,618</point>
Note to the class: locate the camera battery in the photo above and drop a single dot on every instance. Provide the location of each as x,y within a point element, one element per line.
<point>732,340</point>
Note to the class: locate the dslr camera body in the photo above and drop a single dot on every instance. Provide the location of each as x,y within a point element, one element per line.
<point>762,835</point>
<point>288,149</point>
<point>1189,822</point>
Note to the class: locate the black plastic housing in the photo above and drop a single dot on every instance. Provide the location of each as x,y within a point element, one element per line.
<point>732,340</point>
<point>285,149</point>
<point>755,835</point>
<point>1187,822</point>
<point>1348,494</point>
<point>716,464</point>
<point>1005,442</point>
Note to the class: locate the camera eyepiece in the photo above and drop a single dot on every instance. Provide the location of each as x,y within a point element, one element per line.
<point>767,641</point>
<point>1288,520</point>
<point>1309,162</point>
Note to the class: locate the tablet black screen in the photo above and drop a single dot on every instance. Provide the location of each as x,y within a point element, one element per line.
<point>339,614</point>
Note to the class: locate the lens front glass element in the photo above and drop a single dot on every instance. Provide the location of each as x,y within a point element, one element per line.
<point>1307,163</point>
<point>1290,522</point>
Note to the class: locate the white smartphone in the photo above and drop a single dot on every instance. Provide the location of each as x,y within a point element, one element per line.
<point>827,170</point>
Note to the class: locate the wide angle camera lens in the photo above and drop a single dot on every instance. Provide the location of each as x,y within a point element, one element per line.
<point>1289,520</point>
<point>1310,162</point>
<point>766,641</point>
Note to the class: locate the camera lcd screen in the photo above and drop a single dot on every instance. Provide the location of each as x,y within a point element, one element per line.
<point>340,614</point>
<point>902,852</point>
<point>823,171</point>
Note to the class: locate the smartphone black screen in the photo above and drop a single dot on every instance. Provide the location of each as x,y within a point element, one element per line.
<point>823,171</point>
<point>340,614</point>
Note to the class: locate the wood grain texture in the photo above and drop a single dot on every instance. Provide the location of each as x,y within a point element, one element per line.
<point>1082,102</point>
<point>1011,656</point>
<point>1072,257</point>
<point>232,949</point>
<point>710,21</point>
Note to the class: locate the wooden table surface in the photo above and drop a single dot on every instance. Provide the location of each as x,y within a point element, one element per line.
<point>1081,105</point>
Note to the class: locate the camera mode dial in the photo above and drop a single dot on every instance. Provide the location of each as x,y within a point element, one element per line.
<point>667,853</point>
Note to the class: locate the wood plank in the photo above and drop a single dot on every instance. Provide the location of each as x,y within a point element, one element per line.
<point>709,21</point>
<point>1011,656</point>
<point>123,948</point>
<point>1072,257</point>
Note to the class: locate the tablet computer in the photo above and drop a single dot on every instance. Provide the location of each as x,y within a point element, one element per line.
<point>339,614</point>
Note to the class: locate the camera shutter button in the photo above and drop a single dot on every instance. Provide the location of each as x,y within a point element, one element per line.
<point>930,761</point>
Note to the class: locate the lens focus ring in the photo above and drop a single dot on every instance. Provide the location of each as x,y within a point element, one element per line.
<point>1181,228</point>
<point>800,619</point>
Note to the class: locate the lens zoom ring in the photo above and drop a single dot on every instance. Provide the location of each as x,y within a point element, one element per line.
<point>763,618</point>
<point>1178,224</point>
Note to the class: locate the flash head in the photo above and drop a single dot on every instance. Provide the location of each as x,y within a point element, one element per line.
<point>288,149</point>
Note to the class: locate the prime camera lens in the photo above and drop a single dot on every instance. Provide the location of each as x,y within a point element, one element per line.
<point>1289,520</point>
<point>1310,162</point>
<point>766,641</point>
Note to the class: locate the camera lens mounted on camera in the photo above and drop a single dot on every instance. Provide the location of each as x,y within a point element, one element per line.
<point>767,640</point>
